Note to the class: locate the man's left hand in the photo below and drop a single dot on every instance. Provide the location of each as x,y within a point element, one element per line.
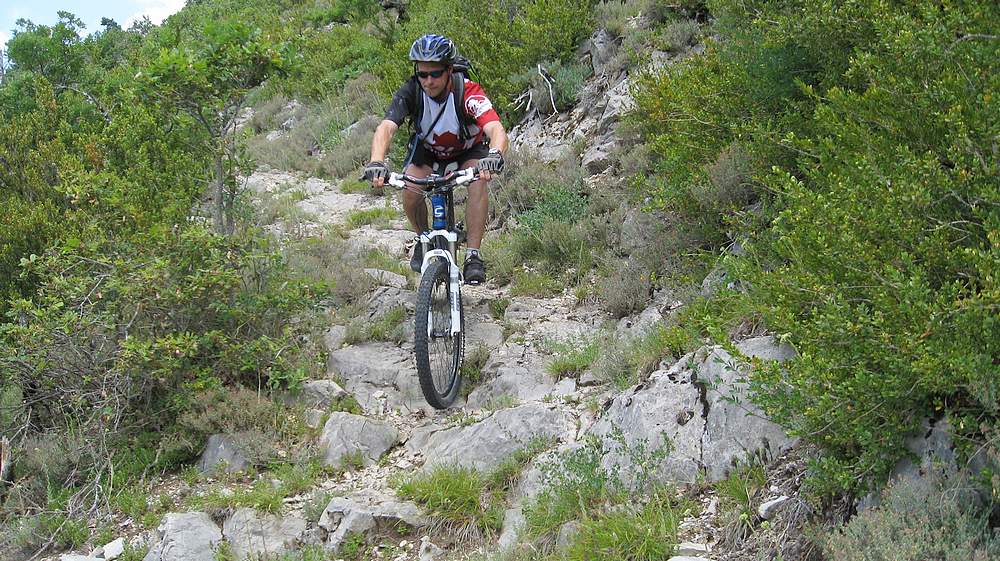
<point>491,165</point>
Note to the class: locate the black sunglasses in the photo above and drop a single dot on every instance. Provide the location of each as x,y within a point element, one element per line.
<point>433,73</point>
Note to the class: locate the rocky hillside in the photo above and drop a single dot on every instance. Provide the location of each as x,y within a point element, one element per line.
<point>594,423</point>
<point>686,426</point>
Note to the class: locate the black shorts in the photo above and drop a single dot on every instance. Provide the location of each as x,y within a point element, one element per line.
<point>424,157</point>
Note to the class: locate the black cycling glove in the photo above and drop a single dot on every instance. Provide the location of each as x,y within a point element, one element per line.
<point>374,170</point>
<point>493,162</point>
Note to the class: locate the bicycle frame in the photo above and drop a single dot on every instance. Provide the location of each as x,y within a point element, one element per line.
<point>442,185</point>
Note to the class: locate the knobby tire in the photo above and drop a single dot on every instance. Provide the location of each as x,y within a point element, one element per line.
<point>438,358</point>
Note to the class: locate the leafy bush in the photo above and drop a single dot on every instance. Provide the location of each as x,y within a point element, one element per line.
<point>644,532</point>
<point>860,129</point>
<point>558,82</point>
<point>937,518</point>
<point>122,334</point>
<point>508,39</point>
<point>625,290</point>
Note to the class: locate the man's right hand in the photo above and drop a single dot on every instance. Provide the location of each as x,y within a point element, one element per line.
<point>377,172</point>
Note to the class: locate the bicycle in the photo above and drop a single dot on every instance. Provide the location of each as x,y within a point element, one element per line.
<point>438,335</point>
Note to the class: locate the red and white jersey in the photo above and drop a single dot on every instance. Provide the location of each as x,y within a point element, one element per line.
<point>444,141</point>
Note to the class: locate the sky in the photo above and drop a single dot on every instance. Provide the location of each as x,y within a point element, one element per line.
<point>43,12</point>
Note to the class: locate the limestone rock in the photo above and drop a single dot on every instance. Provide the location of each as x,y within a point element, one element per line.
<point>387,278</point>
<point>345,434</point>
<point>367,513</point>
<point>254,535</point>
<point>485,444</point>
<point>735,426</point>
<point>334,337</point>
<point>189,536</point>
<point>768,509</point>
<point>602,48</point>
<point>700,406</point>
<point>321,394</point>
<point>110,551</point>
<point>379,367</point>
<point>222,452</point>
<point>513,523</point>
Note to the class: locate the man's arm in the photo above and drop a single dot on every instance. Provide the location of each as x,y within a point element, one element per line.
<point>383,137</point>
<point>497,134</point>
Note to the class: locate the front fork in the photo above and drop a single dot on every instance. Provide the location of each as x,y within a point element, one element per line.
<point>454,276</point>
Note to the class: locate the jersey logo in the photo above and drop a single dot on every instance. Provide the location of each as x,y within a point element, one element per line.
<point>477,105</point>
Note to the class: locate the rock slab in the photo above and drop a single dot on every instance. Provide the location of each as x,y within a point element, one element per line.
<point>189,536</point>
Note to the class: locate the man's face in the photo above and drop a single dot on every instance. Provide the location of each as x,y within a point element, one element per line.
<point>434,86</point>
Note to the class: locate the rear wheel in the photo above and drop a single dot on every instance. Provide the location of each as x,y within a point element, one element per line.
<point>438,352</point>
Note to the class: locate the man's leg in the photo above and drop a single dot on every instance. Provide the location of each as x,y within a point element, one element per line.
<point>416,212</point>
<point>476,209</point>
<point>413,203</point>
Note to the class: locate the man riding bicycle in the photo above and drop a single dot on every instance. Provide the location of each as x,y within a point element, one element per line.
<point>447,130</point>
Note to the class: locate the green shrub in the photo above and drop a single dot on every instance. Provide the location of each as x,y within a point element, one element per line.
<point>738,494</point>
<point>627,361</point>
<point>379,216</point>
<point>572,359</point>
<point>558,82</point>
<point>626,290</point>
<point>454,495</point>
<point>385,327</point>
<point>509,39</point>
<point>644,532</point>
<point>937,518</point>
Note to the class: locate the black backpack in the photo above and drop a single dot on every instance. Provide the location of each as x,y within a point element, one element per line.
<point>461,69</point>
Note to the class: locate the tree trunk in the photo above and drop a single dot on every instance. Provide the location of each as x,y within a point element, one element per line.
<point>219,180</point>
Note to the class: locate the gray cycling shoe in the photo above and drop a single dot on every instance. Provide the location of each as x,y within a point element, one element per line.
<point>474,271</point>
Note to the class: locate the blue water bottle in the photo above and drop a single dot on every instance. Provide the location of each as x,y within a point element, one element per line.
<point>437,206</point>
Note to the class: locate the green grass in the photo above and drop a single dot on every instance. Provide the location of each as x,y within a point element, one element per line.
<point>379,259</point>
<point>472,368</point>
<point>536,284</point>
<point>264,494</point>
<point>465,498</point>
<point>380,216</point>
<point>626,361</point>
<point>737,497</point>
<point>646,533</point>
<point>498,307</point>
<point>386,327</point>
<point>454,495</point>
<point>572,359</point>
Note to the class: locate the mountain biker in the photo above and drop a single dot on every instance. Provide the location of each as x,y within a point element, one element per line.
<point>468,132</point>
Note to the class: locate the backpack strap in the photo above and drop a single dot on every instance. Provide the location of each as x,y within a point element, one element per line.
<point>464,119</point>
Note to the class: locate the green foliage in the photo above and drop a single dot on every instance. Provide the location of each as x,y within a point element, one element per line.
<point>54,52</point>
<point>380,216</point>
<point>266,494</point>
<point>508,39</point>
<point>893,312</point>
<point>454,495</point>
<point>561,84</point>
<point>639,533</point>
<point>209,81</point>
<point>466,498</point>
<point>738,494</point>
<point>937,518</point>
<point>626,361</point>
<point>385,327</point>
<point>572,359</point>
<point>823,112</point>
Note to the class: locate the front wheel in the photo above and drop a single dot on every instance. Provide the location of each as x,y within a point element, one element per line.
<point>438,351</point>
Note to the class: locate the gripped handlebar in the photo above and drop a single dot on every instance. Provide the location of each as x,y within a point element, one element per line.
<point>452,179</point>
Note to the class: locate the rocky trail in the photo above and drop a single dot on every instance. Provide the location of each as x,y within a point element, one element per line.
<point>691,408</point>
